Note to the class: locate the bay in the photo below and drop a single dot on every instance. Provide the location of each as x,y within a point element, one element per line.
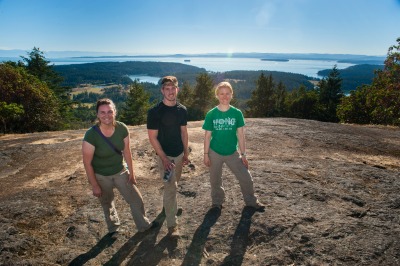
<point>144,78</point>
<point>220,64</point>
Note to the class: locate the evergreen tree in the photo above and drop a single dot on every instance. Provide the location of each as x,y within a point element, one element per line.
<point>37,65</point>
<point>185,95</point>
<point>280,97</point>
<point>136,106</point>
<point>262,102</point>
<point>330,93</point>
<point>203,96</point>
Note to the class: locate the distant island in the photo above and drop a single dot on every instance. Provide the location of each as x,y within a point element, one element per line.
<point>279,57</point>
<point>276,60</point>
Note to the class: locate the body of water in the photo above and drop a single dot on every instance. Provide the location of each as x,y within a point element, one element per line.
<point>143,78</point>
<point>218,64</point>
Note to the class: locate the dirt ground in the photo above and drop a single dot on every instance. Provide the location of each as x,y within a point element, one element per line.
<point>331,191</point>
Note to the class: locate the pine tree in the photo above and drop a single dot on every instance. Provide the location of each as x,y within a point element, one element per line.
<point>37,65</point>
<point>185,95</point>
<point>203,96</point>
<point>280,97</point>
<point>262,102</point>
<point>330,93</point>
<point>136,106</point>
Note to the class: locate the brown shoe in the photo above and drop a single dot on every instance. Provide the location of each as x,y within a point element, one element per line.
<point>173,232</point>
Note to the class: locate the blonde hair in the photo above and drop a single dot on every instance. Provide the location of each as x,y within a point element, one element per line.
<point>223,84</point>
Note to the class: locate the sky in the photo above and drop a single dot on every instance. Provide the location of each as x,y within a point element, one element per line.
<point>144,27</point>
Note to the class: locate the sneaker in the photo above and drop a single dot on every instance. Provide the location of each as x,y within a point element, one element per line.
<point>218,206</point>
<point>173,232</point>
<point>258,206</point>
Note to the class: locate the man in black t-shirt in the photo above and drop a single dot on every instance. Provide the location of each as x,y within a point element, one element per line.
<point>167,130</point>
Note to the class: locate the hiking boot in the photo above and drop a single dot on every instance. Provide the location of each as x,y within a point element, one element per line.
<point>258,206</point>
<point>173,232</point>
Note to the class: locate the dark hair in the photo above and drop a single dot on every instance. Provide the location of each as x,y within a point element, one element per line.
<point>105,101</point>
<point>169,79</point>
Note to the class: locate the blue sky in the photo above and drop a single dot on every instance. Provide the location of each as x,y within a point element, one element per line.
<point>133,27</point>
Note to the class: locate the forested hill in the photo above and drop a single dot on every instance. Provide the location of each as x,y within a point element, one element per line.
<point>245,81</point>
<point>355,76</point>
<point>117,72</point>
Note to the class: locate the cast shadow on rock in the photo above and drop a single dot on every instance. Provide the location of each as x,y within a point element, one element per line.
<point>104,243</point>
<point>196,248</point>
<point>123,252</point>
<point>147,240</point>
<point>240,239</point>
<point>150,254</point>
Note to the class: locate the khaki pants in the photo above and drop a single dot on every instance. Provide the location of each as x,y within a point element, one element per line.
<point>170,203</point>
<point>242,174</point>
<point>129,192</point>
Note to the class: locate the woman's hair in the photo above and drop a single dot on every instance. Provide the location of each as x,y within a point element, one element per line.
<point>105,101</point>
<point>223,84</point>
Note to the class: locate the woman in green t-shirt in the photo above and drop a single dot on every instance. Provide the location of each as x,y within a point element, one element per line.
<point>104,148</point>
<point>224,134</point>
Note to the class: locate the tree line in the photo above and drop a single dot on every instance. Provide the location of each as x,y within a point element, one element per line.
<point>34,98</point>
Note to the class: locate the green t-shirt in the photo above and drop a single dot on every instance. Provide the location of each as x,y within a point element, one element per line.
<point>223,127</point>
<point>105,160</point>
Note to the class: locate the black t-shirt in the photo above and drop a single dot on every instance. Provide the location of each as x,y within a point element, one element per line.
<point>168,121</point>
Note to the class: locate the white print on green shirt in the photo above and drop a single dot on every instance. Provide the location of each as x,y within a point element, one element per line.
<point>224,123</point>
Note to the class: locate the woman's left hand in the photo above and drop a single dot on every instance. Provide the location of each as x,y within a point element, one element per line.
<point>245,162</point>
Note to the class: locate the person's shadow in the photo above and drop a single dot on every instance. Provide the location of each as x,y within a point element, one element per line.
<point>147,240</point>
<point>104,243</point>
<point>196,248</point>
<point>240,239</point>
<point>149,254</point>
<point>124,251</point>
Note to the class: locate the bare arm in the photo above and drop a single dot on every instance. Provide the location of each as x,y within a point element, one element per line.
<point>157,147</point>
<point>242,145</point>
<point>87,155</point>
<point>128,159</point>
<point>207,139</point>
<point>185,141</point>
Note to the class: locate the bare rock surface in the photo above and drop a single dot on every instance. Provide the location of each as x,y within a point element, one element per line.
<point>332,195</point>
